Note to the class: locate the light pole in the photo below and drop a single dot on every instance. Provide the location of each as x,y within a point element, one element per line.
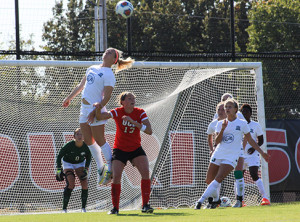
<point>129,41</point>
<point>17,30</point>
<point>232,32</point>
<point>100,27</point>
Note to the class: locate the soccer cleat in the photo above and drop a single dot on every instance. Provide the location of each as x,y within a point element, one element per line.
<point>238,204</point>
<point>265,201</point>
<point>215,204</point>
<point>208,206</point>
<point>64,211</point>
<point>107,177</point>
<point>210,200</point>
<point>147,209</point>
<point>244,204</point>
<point>83,210</point>
<point>114,211</point>
<point>198,205</point>
<point>101,173</point>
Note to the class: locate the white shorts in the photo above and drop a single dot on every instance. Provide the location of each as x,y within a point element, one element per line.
<point>218,162</point>
<point>85,111</point>
<point>73,166</point>
<point>251,160</point>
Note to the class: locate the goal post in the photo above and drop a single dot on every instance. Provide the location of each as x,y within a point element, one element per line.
<point>180,100</point>
<point>262,120</point>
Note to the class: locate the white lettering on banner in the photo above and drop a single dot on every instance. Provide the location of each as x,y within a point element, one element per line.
<point>182,163</point>
<point>278,172</point>
<point>297,154</point>
<point>42,161</point>
<point>10,163</point>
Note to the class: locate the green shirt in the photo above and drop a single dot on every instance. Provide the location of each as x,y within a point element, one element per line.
<point>73,154</point>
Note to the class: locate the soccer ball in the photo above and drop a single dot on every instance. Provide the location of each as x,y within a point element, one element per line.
<point>124,9</point>
<point>225,202</point>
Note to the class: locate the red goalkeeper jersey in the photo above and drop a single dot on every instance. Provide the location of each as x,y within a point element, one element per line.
<point>128,137</point>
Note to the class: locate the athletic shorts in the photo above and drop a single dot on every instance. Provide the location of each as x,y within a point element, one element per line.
<point>73,166</point>
<point>251,160</point>
<point>218,162</point>
<point>85,111</point>
<point>125,156</point>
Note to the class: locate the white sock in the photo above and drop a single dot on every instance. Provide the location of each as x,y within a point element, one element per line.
<point>219,189</point>
<point>211,189</point>
<point>240,187</point>
<point>261,188</point>
<point>107,154</point>
<point>216,196</point>
<point>96,153</point>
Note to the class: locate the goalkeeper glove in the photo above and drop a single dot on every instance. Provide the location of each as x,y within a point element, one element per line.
<point>59,175</point>
<point>84,174</point>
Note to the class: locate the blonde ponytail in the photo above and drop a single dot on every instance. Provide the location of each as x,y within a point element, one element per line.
<point>123,63</point>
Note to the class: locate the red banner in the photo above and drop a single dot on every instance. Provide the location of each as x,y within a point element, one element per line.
<point>283,142</point>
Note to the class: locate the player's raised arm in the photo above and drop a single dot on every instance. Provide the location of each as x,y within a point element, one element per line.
<point>102,116</point>
<point>266,156</point>
<point>74,93</point>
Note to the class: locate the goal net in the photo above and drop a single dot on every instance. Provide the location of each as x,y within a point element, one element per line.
<point>180,100</point>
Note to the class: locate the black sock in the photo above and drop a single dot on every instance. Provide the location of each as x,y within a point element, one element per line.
<point>210,200</point>
<point>67,195</point>
<point>240,198</point>
<point>84,196</point>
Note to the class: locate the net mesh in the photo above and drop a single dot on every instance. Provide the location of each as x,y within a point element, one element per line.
<point>180,103</point>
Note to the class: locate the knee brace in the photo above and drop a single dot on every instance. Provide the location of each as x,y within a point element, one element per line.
<point>238,174</point>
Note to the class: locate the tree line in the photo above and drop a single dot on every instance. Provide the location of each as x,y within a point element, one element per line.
<point>201,26</point>
<point>179,26</point>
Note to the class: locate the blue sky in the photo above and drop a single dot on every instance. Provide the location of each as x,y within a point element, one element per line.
<point>32,15</point>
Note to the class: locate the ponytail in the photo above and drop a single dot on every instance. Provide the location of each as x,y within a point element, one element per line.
<point>122,63</point>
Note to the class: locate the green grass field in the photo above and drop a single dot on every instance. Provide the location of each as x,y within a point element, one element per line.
<point>288,212</point>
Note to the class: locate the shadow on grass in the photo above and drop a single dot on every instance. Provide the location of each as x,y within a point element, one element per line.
<point>154,214</point>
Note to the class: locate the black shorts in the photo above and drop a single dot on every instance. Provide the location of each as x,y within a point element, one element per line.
<point>125,156</point>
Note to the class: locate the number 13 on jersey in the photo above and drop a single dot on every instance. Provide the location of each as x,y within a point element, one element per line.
<point>129,129</point>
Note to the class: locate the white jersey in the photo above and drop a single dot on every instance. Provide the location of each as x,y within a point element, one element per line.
<point>212,127</point>
<point>255,131</point>
<point>96,78</point>
<point>238,114</point>
<point>231,145</point>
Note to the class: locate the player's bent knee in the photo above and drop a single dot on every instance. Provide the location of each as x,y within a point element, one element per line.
<point>70,179</point>
<point>84,185</point>
<point>82,180</point>
<point>208,180</point>
<point>71,186</point>
<point>145,177</point>
<point>70,176</point>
